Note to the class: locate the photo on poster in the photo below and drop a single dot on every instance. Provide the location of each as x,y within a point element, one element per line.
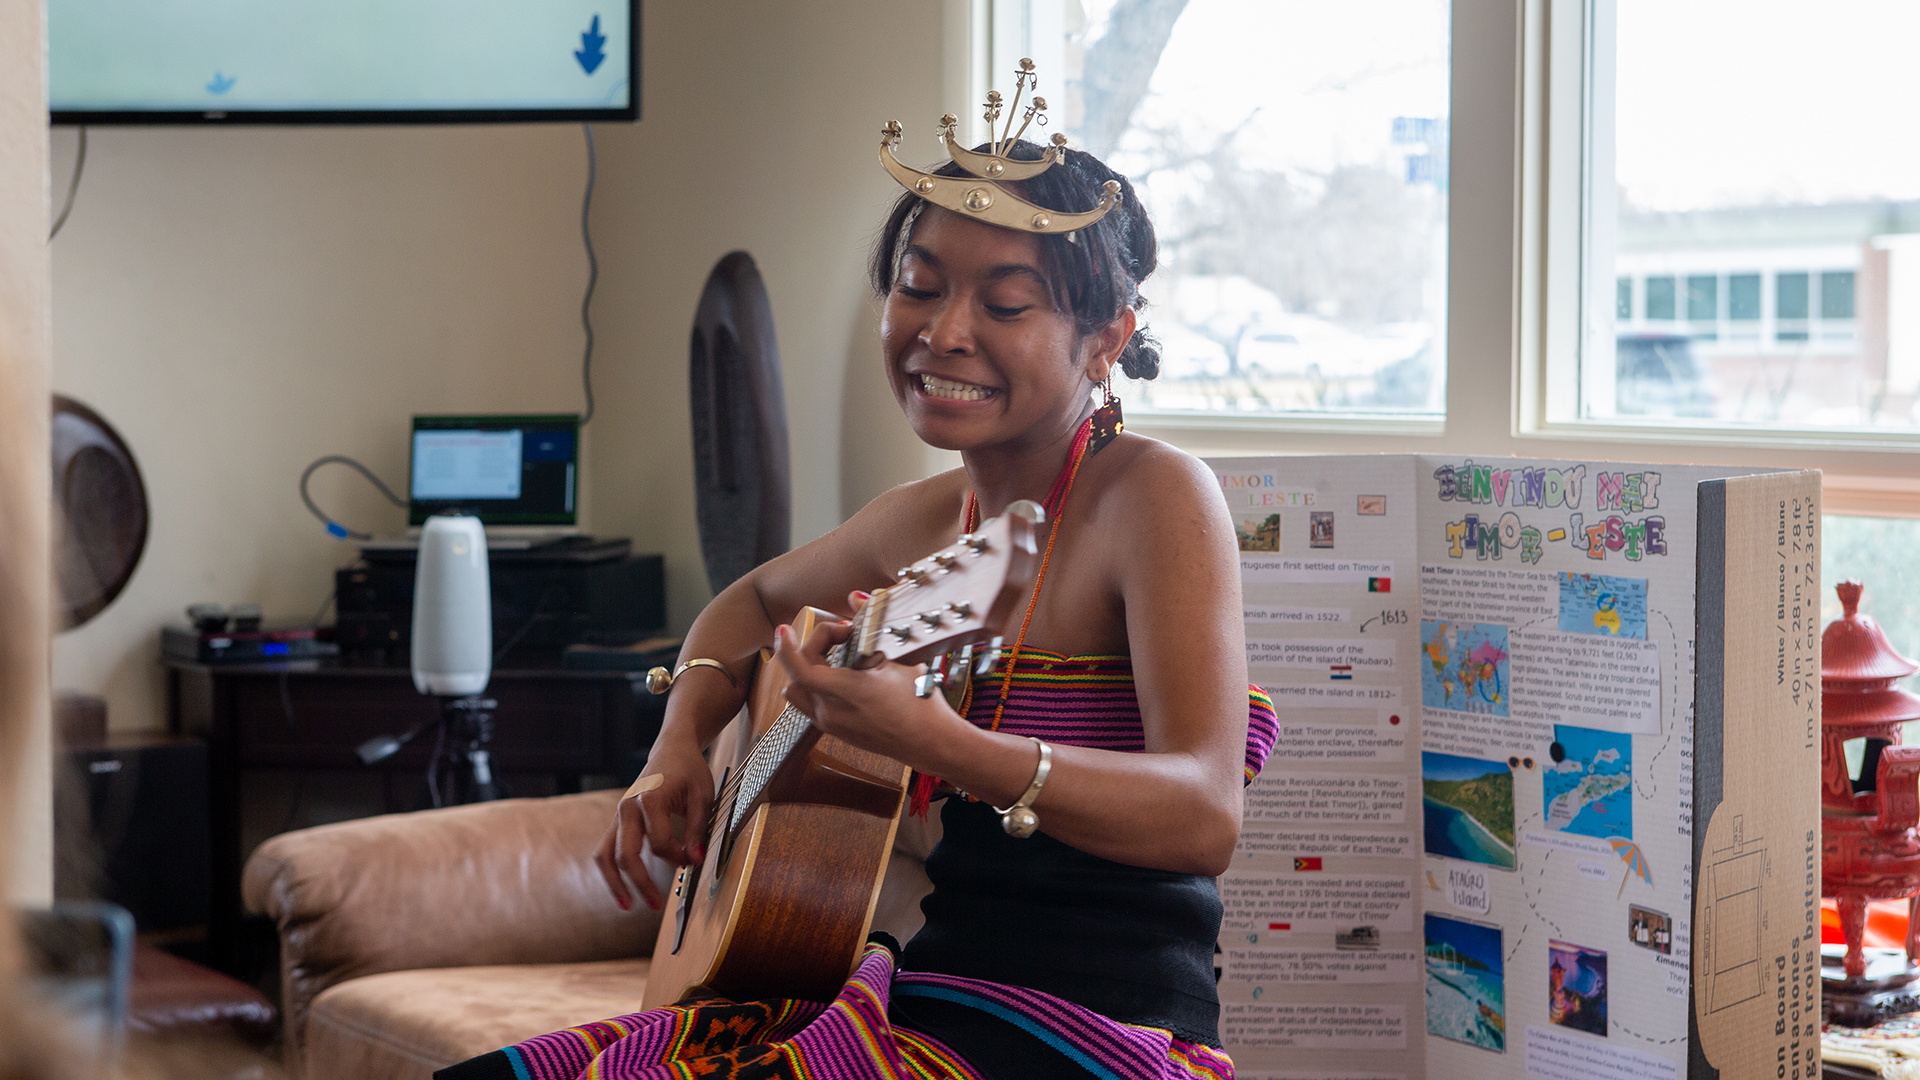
<point>1604,605</point>
<point>1466,983</point>
<point>1577,987</point>
<point>1258,533</point>
<point>1320,529</point>
<point>1466,668</point>
<point>1650,929</point>
<point>1370,505</point>
<point>1589,788</point>
<point>1468,806</point>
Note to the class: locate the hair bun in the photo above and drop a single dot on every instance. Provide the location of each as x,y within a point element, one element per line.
<point>1141,358</point>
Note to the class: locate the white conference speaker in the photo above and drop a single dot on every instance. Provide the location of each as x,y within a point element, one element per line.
<point>452,608</point>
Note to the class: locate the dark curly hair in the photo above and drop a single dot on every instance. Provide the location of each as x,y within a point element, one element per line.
<point>1094,276</point>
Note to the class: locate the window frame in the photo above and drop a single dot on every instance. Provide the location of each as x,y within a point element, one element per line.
<point>1518,240</point>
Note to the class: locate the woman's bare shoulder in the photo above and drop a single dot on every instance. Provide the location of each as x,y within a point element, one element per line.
<point>1150,475</point>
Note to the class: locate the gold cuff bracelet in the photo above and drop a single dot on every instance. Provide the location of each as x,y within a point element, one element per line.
<point>659,680</point>
<point>1019,820</point>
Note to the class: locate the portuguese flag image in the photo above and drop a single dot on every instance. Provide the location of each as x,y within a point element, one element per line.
<point>1379,584</point>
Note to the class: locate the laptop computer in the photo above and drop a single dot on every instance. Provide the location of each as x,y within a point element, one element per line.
<point>518,474</point>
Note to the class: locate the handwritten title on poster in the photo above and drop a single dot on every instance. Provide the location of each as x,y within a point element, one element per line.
<point>1620,525</point>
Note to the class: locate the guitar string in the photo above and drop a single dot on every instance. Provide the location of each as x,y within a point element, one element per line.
<point>784,732</point>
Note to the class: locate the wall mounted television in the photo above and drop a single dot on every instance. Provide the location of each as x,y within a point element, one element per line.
<point>342,61</point>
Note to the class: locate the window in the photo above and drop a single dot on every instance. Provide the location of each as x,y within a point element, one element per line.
<point>1294,157</point>
<point>1743,297</point>
<point>1760,204</point>
<point>1660,298</point>
<point>1612,151</point>
<point>1836,295</point>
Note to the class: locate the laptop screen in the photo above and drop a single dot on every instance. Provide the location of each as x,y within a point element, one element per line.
<point>508,470</point>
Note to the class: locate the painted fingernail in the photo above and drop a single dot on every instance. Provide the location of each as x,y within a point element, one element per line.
<point>863,595</point>
<point>653,905</point>
<point>625,904</point>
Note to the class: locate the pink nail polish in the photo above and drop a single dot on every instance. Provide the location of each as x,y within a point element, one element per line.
<point>625,904</point>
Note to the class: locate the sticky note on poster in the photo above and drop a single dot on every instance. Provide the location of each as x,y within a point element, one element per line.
<point>1327,799</point>
<point>1383,740</point>
<point>1331,695</point>
<point>1283,842</point>
<point>1561,1055</point>
<point>1282,967</point>
<point>1262,902</point>
<point>1343,657</point>
<point>1258,568</point>
<point>1314,1027</point>
<point>1612,684</point>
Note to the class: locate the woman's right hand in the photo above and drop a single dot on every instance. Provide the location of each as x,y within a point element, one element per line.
<point>675,783</point>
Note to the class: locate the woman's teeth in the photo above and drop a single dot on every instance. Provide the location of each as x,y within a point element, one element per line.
<point>934,386</point>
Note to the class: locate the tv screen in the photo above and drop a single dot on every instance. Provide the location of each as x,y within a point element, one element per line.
<point>342,61</point>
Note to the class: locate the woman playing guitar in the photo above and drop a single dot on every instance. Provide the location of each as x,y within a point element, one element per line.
<point>1086,947</point>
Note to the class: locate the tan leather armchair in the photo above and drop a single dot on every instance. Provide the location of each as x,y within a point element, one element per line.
<point>411,941</point>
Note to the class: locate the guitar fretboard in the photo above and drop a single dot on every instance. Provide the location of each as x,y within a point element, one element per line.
<point>771,751</point>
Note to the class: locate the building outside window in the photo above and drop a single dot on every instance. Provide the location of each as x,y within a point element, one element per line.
<point>1777,245</point>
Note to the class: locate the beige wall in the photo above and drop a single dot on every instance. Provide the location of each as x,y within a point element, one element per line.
<point>239,302</point>
<point>23,449</point>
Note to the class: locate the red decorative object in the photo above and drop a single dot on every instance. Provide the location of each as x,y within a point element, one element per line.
<point>1870,843</point>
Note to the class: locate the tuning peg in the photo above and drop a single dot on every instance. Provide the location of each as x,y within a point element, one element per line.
<point>988,657</point>
<point>975,543</point>
<point>961,610</point>
<point>913,574</point>
<point>935,676</point>
<point>902,632</point>
<point>931,618</point>
<point>945,561</point>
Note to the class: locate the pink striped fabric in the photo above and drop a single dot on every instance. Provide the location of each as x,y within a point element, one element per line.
<point>1089,701</point>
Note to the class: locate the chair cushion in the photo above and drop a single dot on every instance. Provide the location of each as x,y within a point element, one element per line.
<point>176,997</point>
<point>402,1025</point>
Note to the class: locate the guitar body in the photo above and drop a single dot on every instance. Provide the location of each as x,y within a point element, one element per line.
<point>803,823</point>
<point>798,885</point>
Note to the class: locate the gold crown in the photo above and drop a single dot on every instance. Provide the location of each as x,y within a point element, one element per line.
<point>979,194</point>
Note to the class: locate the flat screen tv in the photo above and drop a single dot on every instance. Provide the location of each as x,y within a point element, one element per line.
<point>342,61</point>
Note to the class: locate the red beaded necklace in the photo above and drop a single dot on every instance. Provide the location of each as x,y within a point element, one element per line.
<point>1055,504</point>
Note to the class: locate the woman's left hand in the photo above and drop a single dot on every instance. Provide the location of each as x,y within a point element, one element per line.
<point>872,708</point>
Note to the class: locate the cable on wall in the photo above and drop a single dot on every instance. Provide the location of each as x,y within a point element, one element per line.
<point>593,276</point>
<point>73,185</point>
<point>334,528</point>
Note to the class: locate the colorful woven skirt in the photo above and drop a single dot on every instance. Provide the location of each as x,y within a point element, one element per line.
<point>854,1038</point>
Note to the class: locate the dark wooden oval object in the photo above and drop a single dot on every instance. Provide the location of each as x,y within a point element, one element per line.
<point>100,512</point>
<point>742,492</point>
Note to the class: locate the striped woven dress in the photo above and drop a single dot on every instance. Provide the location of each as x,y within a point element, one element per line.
<point>1088,969</point>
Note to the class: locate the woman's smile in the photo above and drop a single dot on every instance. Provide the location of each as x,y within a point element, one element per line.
<point>934,386</point>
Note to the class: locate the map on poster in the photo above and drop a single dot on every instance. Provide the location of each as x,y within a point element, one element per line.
<point>1589,789</point>
<point>1603,604</point>
<point>1465,668</point>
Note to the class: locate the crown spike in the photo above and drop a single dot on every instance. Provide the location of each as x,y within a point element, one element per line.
<point>1020,78</point>
<point>1038,107</point>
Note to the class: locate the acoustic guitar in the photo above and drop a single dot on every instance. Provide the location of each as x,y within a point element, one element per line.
<point>802,822</point>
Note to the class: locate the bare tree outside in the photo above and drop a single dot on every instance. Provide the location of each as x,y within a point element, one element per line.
<point>1294,159</point>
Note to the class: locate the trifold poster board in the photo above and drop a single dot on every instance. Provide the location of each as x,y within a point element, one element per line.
<point>1545,797</point>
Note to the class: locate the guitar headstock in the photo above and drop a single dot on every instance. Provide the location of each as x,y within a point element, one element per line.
<point>954,597</point>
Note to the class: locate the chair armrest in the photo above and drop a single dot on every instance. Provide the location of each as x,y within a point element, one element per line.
<point>509,882</point>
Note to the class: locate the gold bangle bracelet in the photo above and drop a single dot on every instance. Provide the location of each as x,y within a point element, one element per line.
<point>1019,820</point>
<point>659,680</point>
